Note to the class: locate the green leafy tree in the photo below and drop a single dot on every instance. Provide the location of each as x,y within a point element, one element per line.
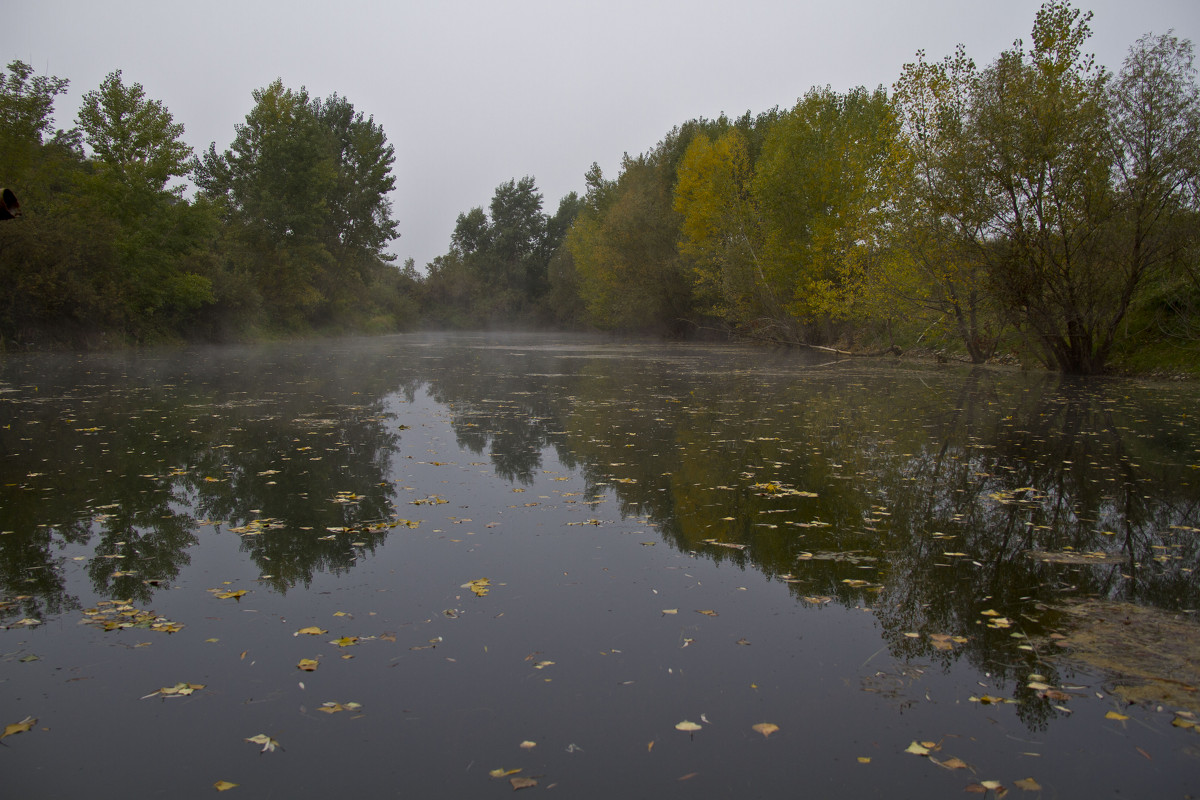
<point>932,267</point>
<point>823,185</point>
<point>151,284</point>
<point>1041,140</point>
<point>1155,130</point>
<point>624,247</point>
<point>135,139</point>
<point>304,187</point>
<point>722,230</point>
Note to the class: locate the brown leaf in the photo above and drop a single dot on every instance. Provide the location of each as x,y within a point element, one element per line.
<point>1028,784</point>
<point>765,728</point>
<point>522,783</point>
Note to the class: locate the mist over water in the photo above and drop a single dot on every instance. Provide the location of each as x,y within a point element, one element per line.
<point>582,543</point>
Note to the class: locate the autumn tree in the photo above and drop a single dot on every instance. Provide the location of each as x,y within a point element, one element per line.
<point>722,229</point>
<point>823,185</point>
<point>624,247</point>
<point>1041,142</point>
<point>1154,106</point>
<point>932,266</point>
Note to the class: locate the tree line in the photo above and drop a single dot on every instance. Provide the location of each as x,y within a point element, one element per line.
<point>286,233</point>
<point>1041,206</point>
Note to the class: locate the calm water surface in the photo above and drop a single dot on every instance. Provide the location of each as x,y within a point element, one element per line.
<point>580,545</point>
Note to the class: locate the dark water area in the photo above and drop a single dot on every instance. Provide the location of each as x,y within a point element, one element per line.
<point>545,554</point>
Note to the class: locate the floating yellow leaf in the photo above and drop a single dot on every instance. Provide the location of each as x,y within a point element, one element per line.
<point>864,759</point>
<point>687,726</point>
<point>765,728</point>
<point>528,745</point>
<point>19,727</point>
<point>345,641</point>
<point>670,610</point>
<point>311,630</point>
<point>503,773</point>
<point>917,749</point>
<point>308,664</point>
<point>223,786</point>
<point>229,595</point>
<point>950,763</point>
<point>1028,784</point>
<point>479,586</point>
<point>708,612</point>
<point>1115,715</point>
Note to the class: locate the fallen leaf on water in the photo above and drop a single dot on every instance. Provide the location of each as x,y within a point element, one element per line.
<point>708,612</point>
<point>223,786</point>
<point>765,728</point>
<point>268,744</point>
<point>687,726</point>
<point>19,727</point>
<point>1115,715</point>
<point>345,641</point>
<point>528,745</point>
<point>950,763</point>
<point>178,690</point>
<point>670,610</point>
<point>501,772</point>
<point>479,586</point>
<point>311,630</point>
<point>1028,784</point>
<point>974,788</point>
<point>332,708</point>
<point>308,664</point>
<point>522,783</point>
<point>229,595</point>
<point>687,777</point>
<point>864,759</point>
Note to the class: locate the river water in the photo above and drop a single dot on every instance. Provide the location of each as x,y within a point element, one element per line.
<point>454,566</point>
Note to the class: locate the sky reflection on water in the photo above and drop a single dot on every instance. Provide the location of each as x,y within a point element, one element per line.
<point>715,534</point>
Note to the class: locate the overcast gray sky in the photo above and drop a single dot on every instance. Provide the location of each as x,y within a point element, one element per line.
<point>474,93</point>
